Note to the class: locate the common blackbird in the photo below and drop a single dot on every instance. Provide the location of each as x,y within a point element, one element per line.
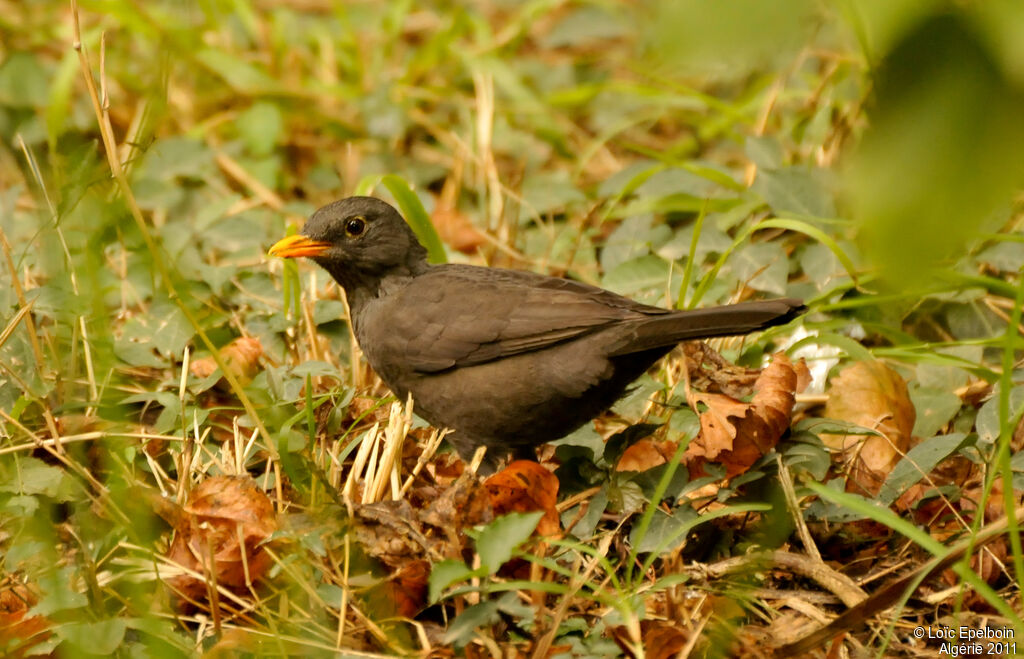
<point>504,358</point>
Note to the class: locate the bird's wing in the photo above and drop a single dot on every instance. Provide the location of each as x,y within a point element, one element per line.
<point>457,316</point>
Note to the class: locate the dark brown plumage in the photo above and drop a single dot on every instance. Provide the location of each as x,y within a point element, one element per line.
<point>506,359</point>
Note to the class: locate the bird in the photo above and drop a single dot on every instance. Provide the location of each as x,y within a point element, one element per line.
<point>506,359</point>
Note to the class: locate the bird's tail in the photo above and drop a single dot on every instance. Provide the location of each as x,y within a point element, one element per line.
<point>728,320</point>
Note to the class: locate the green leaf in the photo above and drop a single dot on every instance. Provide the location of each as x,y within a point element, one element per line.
<point>640,275</point>
<point>987,422</point>
<point>935,407</point>
<point>667,531</point>
<point>446,573</point>
<point>917,463</point>
<point>823,426</point>
<point>805,452</point>
<point>548,192</point>
<point>94,638</point>
<point>677,180</point>
<point>627,497</point>
<point>764,151</point>
<point>23,81</point>
<point>266,170</point>
<point>632,239</point>
<point>332,594</point>
<point>762,266</point>
<point>151,339</point>
<point>315,368</point>
<point>585,525</point>
<point>25,475</point>
<point>163,398</point>
<point>820,265</point>
<point>177,156</point>
<point>675,203</point>
<point>21,506</point>
<point>238,73</point>
<point>1017,466</point>
<point>501,537</point>
<point>461,630</point>
<point>328,311</point>
<point>711,240</point>
<point>796,190</point>
<point>1007,256</point>
<point>261,127</point>
<point>58,594</point>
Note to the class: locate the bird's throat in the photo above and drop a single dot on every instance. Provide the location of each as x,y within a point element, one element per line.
<point>362,285</point>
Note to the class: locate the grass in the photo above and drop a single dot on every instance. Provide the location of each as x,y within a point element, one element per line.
<point>646,149</point>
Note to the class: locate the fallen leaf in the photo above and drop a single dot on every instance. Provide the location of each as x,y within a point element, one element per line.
<point>646,454</point>
<point>228,519</point>
<point>390,531</point>
<point>661,639</point>
<point>709,371</point>
<point>15,601</point>
<point>525,486</point>
<point>456,230</point>
<point>404,594</point>
<point>871,395</point>
<point>241,357</point>
<point>736,434</point>
<point>464,503</point>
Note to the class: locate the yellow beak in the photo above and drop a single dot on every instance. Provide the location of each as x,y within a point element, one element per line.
<point>298,245</point>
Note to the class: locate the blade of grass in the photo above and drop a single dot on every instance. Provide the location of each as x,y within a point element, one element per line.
<point>645,520</point>
<point>852,349</point>
<point>415,215</point>
<point>792,224</point>
<point>1007,424</point>
<point>688,268</point>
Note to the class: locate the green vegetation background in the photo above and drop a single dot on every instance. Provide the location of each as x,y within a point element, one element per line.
<point>864,156</point>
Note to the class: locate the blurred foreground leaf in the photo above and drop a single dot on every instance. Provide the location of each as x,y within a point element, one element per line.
<point>942,154</point>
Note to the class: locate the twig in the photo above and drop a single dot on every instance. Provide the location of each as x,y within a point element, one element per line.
<point>892,592</point>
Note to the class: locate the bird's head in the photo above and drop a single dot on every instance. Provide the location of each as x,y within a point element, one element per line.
<point>356,237</point>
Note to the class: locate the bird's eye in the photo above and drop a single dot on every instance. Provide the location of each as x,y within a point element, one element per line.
<point>355,226</point>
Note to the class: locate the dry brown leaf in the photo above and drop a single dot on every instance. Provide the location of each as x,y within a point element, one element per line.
<point>956,470</point>
<point>391,532</point>
<point>646,454</point>
<point>228,519</point>
<point>525,486</point>
<point>447,467</point>
<point>872,395</point>
<point>366,409</point>
<point>661,639</point>
<point>241,357</point>
<point>711,372</point>
<point>737,434</point>
<point>456,230</point>
<point>404,594</point>
<point>988,563</point>
<point>465,503</point>
<point>15,601</point>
